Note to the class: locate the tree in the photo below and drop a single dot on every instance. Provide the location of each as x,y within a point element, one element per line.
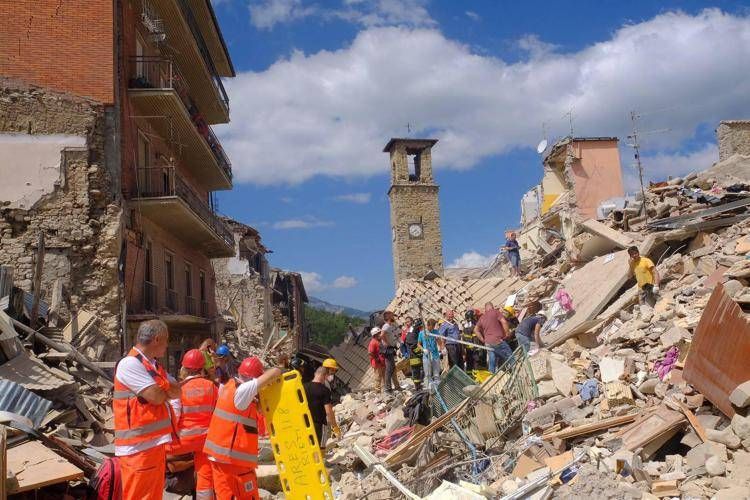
<point>329,328</point>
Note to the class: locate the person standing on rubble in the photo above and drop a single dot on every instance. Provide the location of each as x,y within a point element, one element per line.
<point>513,252</point>
<point>492,330</point>
<point>415,353</point>
<point>469,335</point>
<point>143,417</point>
<point>646,276</point>
<point>320,402</point>
<point>389,330</point>
<point>232,440</point>
<point>377,360</point>
<point>404,331</point>
<point>431,354</point>
<point>530,330</point>
<point>198,396</point>
<point>451,332</point>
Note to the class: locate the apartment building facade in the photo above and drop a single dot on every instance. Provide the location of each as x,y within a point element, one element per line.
<point>153,69</point>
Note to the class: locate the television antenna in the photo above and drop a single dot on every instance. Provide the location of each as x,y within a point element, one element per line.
<point>637,148</point>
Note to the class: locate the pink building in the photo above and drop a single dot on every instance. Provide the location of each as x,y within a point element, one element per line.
<point>586,167</point>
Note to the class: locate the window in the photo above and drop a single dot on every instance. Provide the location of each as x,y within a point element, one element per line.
<point>415,166</point>
<point>202,285</point>
<point>188,280</point>
<point>143,150</point>
<point>149,264</point>
<point>139,65</point>
<point>169,270</point>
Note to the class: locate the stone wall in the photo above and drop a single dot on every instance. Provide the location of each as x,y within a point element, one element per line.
<point>80,218</point>
<point>734,138</point>
<point>415,257</point>
<point>244,293</point>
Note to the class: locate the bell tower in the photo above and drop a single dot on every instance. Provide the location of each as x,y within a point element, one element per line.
<point>415,211</point>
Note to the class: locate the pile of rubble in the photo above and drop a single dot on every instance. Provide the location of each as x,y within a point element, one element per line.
<point>622,401</point>
<point>55,402</point>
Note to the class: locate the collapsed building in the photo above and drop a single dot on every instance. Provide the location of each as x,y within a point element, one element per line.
<point>622,400</point>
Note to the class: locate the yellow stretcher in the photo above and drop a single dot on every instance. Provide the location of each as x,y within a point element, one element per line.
<point>295,446</point>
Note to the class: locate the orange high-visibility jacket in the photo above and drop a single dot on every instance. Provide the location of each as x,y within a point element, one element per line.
<point>198,397</point>
<point>136,420</point>
<point>233,434</point>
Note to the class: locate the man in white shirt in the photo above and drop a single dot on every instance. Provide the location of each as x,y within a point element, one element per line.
<point>143,417</point>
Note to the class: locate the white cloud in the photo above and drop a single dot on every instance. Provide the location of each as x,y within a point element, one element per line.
<point>361,198</point>
<point>307,222</point>
<point>344,282</point>
<point>314,282</point>
<point>265,14</point>
<point>371,13</point>
<point>472,259</point>
<point>330,113</point>
<point>663,165</point>
<point>473,15</point>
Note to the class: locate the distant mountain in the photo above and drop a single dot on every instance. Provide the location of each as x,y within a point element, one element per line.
<point>322,305</point>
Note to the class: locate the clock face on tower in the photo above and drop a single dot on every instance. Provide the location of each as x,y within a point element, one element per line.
<point>415,230</point>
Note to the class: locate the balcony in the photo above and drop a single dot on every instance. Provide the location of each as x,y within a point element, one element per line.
<point>166,199</point>
<point>192,53</point>
<point>160,94</point>
<point>175,312</point>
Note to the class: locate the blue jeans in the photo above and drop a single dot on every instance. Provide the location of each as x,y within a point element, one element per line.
<point>524,342</point>
<point>499,354</point>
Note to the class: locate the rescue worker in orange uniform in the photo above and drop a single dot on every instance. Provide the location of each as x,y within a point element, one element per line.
<point>198,397</point>
<point>143,418</point>
<point>232,441</point>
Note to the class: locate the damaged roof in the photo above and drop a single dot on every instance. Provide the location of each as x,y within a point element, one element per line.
<point>441,294</point>
<point>16,399</point>
<point>33,374</point>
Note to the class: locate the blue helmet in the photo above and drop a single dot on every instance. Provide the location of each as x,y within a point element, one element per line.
<point>222,350</point>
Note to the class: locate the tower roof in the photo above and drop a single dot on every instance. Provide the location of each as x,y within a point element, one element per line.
<point>410,143</point>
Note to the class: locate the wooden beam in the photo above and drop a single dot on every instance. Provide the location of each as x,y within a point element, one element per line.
<point>582,430</point>
<point>3,463</point>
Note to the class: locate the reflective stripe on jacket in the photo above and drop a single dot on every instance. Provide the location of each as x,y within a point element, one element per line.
<point>233,434</point>
<point>198,397</point>
<point>137,421</point>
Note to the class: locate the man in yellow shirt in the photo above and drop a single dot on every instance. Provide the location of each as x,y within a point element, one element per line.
<point>646,276</point>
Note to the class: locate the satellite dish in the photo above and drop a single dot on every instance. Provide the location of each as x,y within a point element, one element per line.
<point>541,146</point>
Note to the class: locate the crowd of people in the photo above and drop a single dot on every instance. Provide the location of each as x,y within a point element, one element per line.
<point>484,340</point>
<point>207,418</point>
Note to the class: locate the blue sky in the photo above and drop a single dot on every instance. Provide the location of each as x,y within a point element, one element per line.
<point>322,86</point>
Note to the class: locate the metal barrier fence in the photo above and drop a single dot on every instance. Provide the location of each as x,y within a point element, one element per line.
<point>500,403</point>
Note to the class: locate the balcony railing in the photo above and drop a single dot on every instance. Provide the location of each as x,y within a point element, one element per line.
<point>190,305</point>
<point>187,13</point>
<point>204,308</point>
<point>171,300</point>
<point>149,296</point>
<point>157,182</point>
<point>148,72</point>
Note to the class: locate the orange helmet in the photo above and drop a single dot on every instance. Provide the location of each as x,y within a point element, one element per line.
<point>251,367</point>
<point>193,360</point>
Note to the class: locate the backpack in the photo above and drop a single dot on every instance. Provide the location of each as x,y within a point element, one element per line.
<point>107,483</point>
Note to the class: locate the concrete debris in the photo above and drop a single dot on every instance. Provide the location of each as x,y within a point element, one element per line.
<point>653,397</point>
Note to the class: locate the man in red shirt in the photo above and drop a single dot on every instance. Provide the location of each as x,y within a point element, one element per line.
<point>377,360</point>
<point>492,330</point>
